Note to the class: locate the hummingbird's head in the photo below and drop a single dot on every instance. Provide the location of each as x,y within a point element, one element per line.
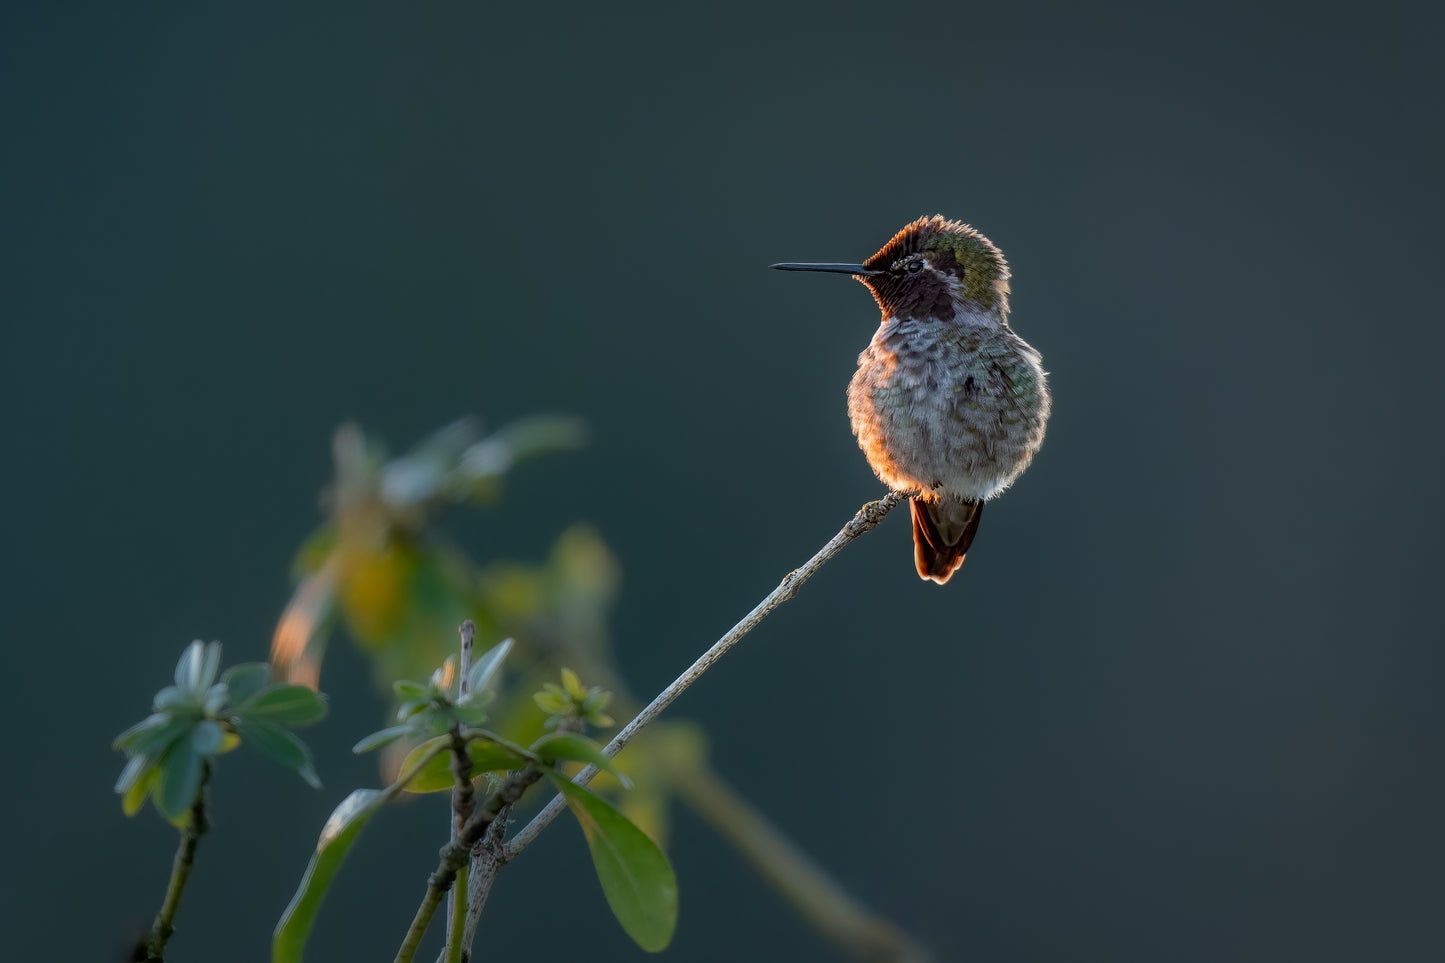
<point>931,269</point>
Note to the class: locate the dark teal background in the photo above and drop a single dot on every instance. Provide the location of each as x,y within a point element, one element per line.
<point>1183,702</point>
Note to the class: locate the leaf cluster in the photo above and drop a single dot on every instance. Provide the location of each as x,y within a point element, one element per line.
<point>427,709</point>
<point>636,877</point>
<point>569,702</point>
<point>201,717</point>
<point>458,464</point>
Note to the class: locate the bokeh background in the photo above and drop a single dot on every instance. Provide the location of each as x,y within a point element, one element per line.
<point>1184,700</point>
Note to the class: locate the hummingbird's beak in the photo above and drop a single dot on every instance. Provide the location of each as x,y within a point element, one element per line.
<point>831,268</point>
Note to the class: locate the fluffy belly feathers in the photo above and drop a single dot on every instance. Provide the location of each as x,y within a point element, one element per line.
<point>948,411</point>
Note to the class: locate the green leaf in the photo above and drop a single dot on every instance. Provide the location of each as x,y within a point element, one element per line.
<point>153,721</point>
<point>135,797</point>
<point>285,705</point>
<point>437,775</point>
<point>382,737</point>
<point>431,722</point>
<point>217,696</point>
<point>574,748</point>
<point>188,668</point>
<point>468,715</point>
<point>540,434</point>
<point>425,472</point>
<point>156,740</point>
<point>490,757</point>
<point>486,666</point>
<point>279,746</point>
<point>635,875</point>
<point>244,681</point>
<point>337,837</point>
<point>171,698</point>
<point>134,768</point>
<point>180,780</point>
<point>207,737</point>
<point>210,665</point>
<point>411,690</point>
<point>411,707</point>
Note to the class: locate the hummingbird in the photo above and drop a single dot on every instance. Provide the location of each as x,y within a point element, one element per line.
<point>947,400</point>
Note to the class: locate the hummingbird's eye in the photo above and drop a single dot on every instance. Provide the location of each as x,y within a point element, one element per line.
<point>914,266</point>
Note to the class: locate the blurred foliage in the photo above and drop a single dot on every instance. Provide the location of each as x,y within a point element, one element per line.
<point>399,588</point>
<point>379,568</point>
<point>199,718</point>
<point>570,702</point>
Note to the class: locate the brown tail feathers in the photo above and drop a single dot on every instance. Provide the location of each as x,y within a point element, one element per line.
<point>942,532</point>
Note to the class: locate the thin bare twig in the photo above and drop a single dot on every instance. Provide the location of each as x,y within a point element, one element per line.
<point>463,799</point>
<point>463,793</point>
<point>468,631</point>
<point>867,519</point>
<point>164,925</point>
<point>454,855</point>
<point>488,856</point>
<point>461,761</point>
<point>485,862</point>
